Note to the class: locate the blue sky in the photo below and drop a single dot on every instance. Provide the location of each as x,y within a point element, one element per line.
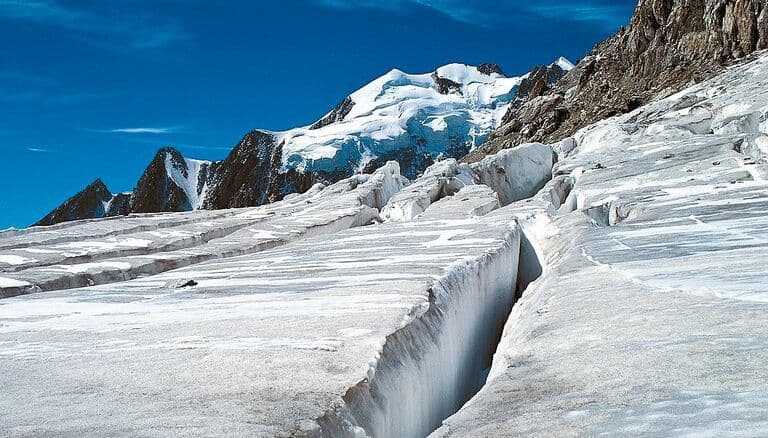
<point>93,88</point>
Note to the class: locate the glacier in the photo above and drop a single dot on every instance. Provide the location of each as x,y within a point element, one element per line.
<point>606,284</point>
<point>649,317</point>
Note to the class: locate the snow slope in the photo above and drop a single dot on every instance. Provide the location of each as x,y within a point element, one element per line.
<point>400,111</point>
<point>189,178</point>
<point>415,120</point>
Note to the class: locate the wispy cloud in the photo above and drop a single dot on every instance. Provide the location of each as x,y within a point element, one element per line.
<point>603,13</point>
<point>154,143</point>
<point>37,150</point>
<point>23,88</point>
<point>165,130</point>
<point>132,29</point>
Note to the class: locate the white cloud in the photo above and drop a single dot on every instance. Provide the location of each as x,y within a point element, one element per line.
<point>168,130</point>
<point>137,31</point>
<point>604,13</point>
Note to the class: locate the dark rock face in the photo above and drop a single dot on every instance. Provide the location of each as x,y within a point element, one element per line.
<point>336,115</point>
<point>446,86</point>
<point>120,205</point>
<point>667,45</point>
<point>251,175</point>
<point>538,82</point>
<point>92,201</point>
<point>246,177</point>
<point>156,191</point>
<point>489,69</point>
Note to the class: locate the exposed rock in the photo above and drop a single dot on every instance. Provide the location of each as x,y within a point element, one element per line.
<point>667,45</point>
<point>243,178</point>
<point>120,205</point>
<point>156,190</point>
<point>93,201</point>
<point>180,283</point>
<point>489,69</point>
<point>537,83</point>
<point>336,115</point>
<point>445,85</point>
<point>422,125</point>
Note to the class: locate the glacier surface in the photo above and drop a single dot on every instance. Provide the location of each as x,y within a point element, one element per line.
<point>610,284</point>
<point>650,317</point>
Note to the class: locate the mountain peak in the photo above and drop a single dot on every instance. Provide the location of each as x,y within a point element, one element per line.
<point>489,69</point>
<point>93,201</point>
<point>564,64</point>
<point>667,45</point>
<point>97,185</point>
<point>170,151</point>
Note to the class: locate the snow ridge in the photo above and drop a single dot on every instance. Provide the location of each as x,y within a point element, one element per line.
<point>401,111</point>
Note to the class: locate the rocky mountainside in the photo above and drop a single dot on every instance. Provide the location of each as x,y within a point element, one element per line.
<point>668,45</point>
<point>412,119</point>
<point>94,201</point>
<point>170,183</point>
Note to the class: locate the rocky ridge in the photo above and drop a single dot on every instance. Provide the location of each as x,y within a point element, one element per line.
<point>668,45</point>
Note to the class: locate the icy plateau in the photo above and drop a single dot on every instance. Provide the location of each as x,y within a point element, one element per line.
<point>610,283</point>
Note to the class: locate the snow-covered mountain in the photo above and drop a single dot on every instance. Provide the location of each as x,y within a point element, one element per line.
<point>415,119</point>
<point>441,114</point>
<point>609,283</point>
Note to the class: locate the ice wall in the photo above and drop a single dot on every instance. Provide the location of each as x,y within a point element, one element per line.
<point>432,365</point>
<point>442,179</point>
<point>516,173</point>
<point>650,316</point>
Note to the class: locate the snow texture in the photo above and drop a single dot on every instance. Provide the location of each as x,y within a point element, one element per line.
<point>98,252</point>
<point>188,178</point>
<point>298,320</point>
<point>401,113</point>
<point>373,307</point>
<point>323,334</point>
<point>649,317</point>
<point>443,178</point>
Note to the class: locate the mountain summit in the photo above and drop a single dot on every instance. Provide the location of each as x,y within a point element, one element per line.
<point>415,119</point>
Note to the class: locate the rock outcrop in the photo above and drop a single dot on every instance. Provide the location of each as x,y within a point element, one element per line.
<point>336,115</point>
<point>94,201</point>
<point>668,45</point>
<point>157,190</point>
